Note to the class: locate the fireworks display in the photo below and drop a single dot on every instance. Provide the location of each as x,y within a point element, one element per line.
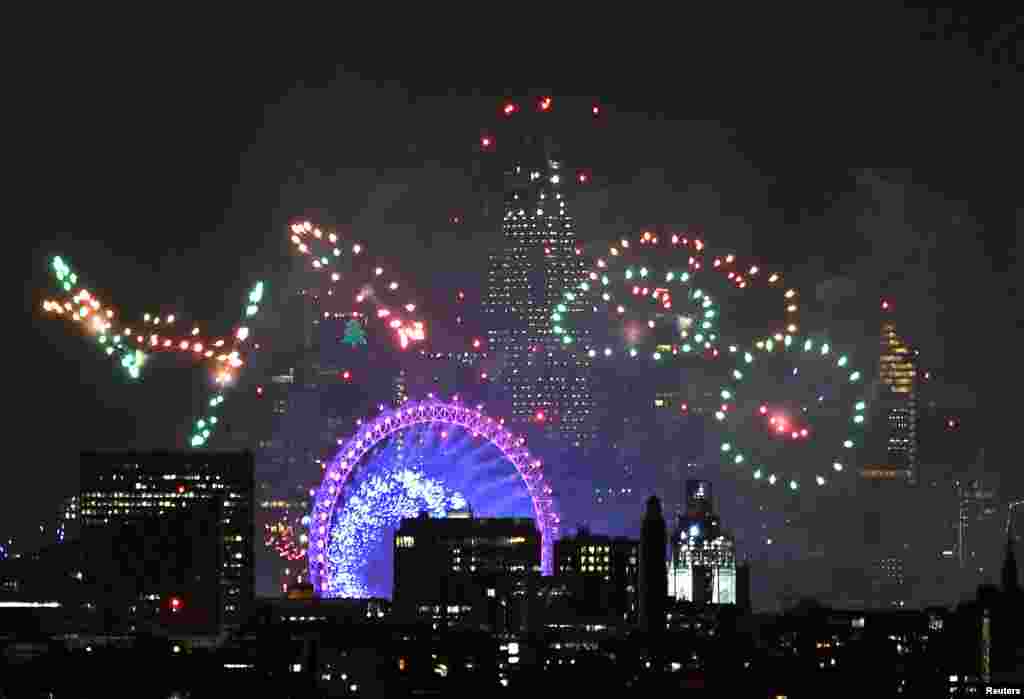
<point>668,297</point>
<point>662,294</point>
<point>786,408</point>
<point>446,421</point>
<point>131,345</point>
<point>351,276</point>
<point>817,404</point>
<point>152,333</point>
<point>287,536</point>
<point>513,116</point>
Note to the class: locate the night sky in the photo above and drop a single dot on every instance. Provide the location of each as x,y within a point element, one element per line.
<point>874,148</point>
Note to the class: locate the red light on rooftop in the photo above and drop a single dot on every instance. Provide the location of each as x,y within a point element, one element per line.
<point>476,344</point>
<point>886,305</point>
<point>582,178</point>
<point>539,417</point>
<point>545,104</point>
<point>510,109</point>
<point>181,489</point>
<point>176,604</point>
<point>595,110</point>
<point>486,141</point>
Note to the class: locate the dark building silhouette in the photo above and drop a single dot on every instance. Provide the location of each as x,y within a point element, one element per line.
<point>459,570</point>
<point>1009,652</point>
<point>653,574</point>
<point>600,573</point>
<point>120,490</point>
<point>743,586</point>
<point>1010,576</point>
<point>163,572</point>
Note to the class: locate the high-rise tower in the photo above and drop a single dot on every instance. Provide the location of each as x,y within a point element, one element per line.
<point>898,377</point>
<point>549,381</point>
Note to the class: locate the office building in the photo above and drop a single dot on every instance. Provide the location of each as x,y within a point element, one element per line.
<point>118,489</point>
<point>601,573</point>
<point>162,571</point>
<point>703,554</point>
<point>979,528</point>
<point>462,569</point>
<point>890,582</point>
<point>549,378</point>
<point>898,402</point>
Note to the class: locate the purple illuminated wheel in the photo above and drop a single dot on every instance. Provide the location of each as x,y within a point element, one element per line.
<point>337,473</point>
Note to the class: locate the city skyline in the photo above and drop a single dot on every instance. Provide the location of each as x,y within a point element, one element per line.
<point>311,372</point>
<point>516,357</point>
<point>881,205</point>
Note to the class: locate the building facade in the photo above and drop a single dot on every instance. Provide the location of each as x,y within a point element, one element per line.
<point>703,553</point>
<point>899,384</point>
<point>121,488</point>
<point>601,573</point>
<point>979,529</point>
<point>548,378</point>
<point>459,570</point>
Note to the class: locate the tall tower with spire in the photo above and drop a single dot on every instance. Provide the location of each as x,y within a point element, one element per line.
<point>548,377</point>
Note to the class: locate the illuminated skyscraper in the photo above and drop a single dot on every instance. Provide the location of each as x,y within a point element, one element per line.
<point>549,381</point>
<point>898,377</point>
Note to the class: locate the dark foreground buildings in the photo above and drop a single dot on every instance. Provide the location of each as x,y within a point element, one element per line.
<point>165,546</point>
<point>460,569</point>
<point>140,512</point>
<point>303,646</point>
